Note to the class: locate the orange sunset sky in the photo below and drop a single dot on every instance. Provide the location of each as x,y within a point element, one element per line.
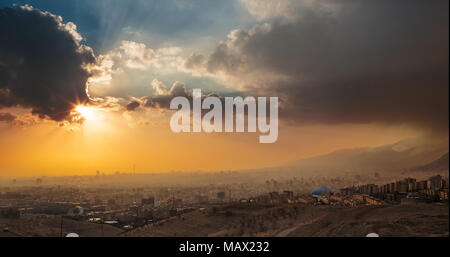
<point>348,74</point>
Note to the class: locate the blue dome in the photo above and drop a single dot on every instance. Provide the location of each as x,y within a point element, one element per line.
<point>319,191</point>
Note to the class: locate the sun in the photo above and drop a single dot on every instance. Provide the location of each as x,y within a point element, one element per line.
<point>87,112</point>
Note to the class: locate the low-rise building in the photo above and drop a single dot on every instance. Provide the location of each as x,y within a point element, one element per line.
<point>359,197</point>
<point>373,201</point>
<point>434,182</point>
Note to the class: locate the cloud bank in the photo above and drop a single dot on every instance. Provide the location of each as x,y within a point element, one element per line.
<point>41,63</point>
<point>329,62</point>
<point>350,62</point>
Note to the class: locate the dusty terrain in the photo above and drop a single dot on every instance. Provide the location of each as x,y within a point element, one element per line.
<point>230,220</point>
<point>305,220</point>
<point>51,227</point>
<point>423,220</point>
<point>285,220</point>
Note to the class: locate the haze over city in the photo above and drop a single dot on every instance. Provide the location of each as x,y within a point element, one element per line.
<point>355,142</point>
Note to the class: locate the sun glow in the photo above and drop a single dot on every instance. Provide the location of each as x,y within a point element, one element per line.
<point>87,112</point>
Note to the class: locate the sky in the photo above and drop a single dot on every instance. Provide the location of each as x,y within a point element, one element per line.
<point>347,74</point>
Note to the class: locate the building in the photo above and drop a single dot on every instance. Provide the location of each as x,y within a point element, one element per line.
<point>150,201</point>
<point>304,200</point>
<point>321,191</point>
<point>359,197</point>
<point>369,189</point>
<point>346,191</point>
<point>274,195</point>
<point>444,195</point>
<point>221,196</point>
<point>393,187</point>
<point>421,185</point>
<point>402,187</point>
<point>434,182</point>
<point>323,200</point>
<point>412,187</point>
<point>373,201</point>
<point>289,195</point>
<point>445,183</point>
<point>350,202</point>
<point>336,198</point>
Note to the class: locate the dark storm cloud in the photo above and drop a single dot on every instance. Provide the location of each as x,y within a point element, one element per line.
<point>357,62</point>
<point>41,63</point>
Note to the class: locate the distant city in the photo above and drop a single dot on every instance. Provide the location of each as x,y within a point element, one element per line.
<point>53,210</point>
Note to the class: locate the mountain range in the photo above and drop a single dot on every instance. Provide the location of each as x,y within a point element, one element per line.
<point>400,156</point>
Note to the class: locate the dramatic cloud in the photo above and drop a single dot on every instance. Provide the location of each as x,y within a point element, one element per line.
<point>264,9</point>
<point>138,55</point>
<point>162,97</point>
<point>125,70</point>
<point>132,106</point>
<point>41,63</point>
<point>357,62</point>
<point>6,117</point>
<point>286,9</point>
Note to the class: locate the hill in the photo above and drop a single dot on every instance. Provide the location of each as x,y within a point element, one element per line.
<point>440,164</point>
<point>422,220</point>
<point>394,157</point>
<point>298,220</point>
